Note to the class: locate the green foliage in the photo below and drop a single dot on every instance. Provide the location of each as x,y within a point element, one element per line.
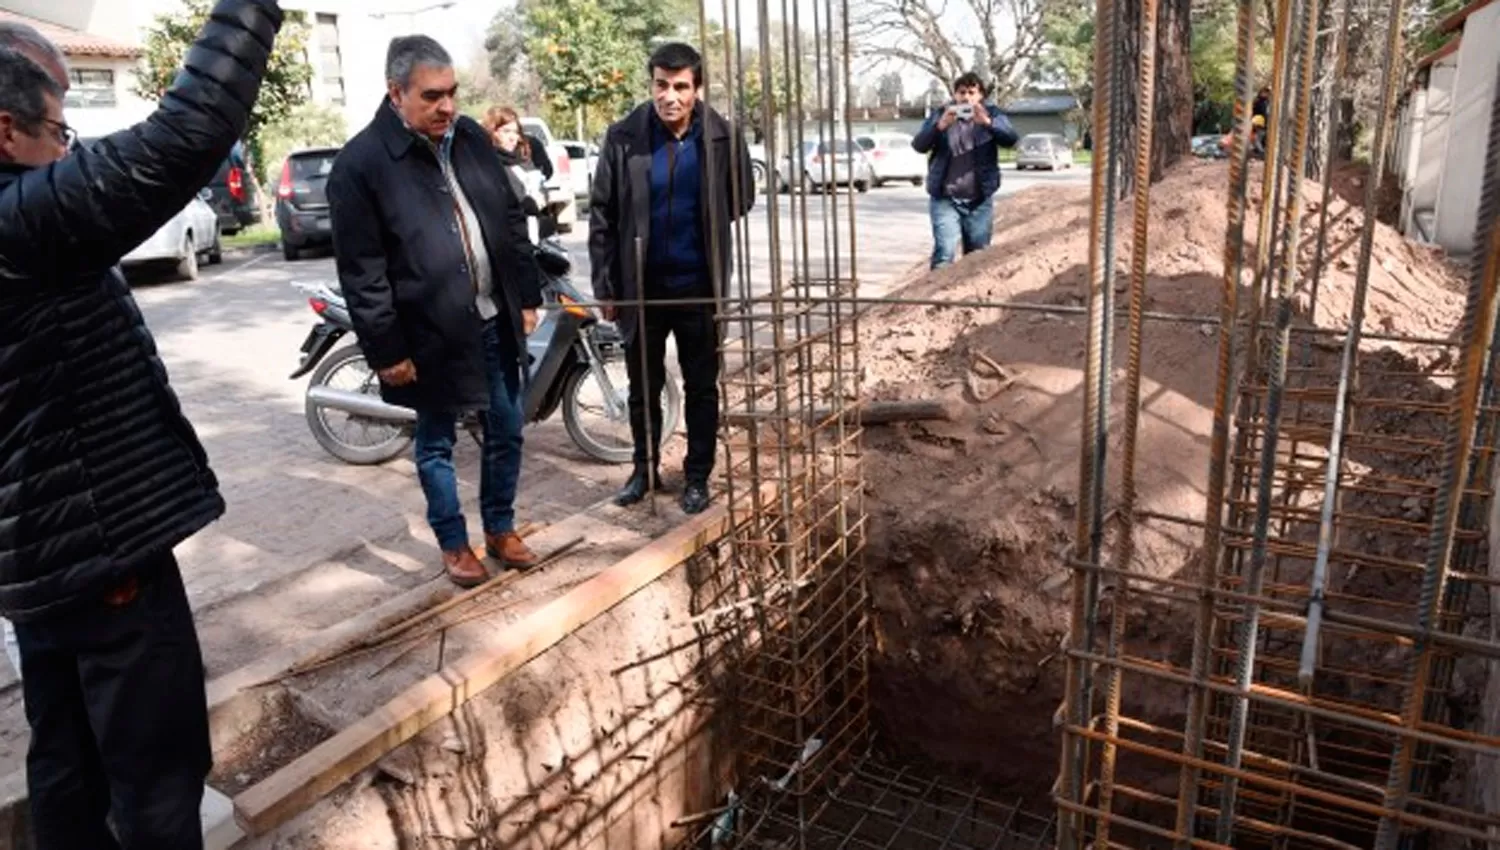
<point>305,126</point>
<point>284,87</point>
<point>1067,61</point>
<point>587,53</point>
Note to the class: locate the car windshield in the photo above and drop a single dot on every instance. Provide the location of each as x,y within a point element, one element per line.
<point>575,151</point>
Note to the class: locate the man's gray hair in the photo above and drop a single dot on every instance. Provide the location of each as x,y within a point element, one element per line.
<point>25,38</point>
<point>407,52</point>
<point>23,88</point>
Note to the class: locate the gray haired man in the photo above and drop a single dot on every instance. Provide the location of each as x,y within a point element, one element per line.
<point>25,40</point>
<point>103,475</point>
<point>438,267</point>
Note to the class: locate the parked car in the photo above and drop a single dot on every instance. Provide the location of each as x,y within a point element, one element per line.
<point>893,158</point>
<point>188,239</point>
<point>302,201</point>
<point>758,167</point>
<point>587,154</point>
<point>560,185</point>
<point>818,165</point>
<point>233,198</point>
<point>1044,150</point>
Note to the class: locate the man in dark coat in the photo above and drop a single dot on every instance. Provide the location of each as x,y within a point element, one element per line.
<point>672,177</point>
<point>443,287</point>
<point>101,475</point>
<point>962,141</point>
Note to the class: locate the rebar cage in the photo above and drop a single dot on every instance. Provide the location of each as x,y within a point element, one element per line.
<point>1347,507</point>
<point>1348,502</point>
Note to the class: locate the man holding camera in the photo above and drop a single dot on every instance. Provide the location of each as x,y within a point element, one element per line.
<point>962,143</point>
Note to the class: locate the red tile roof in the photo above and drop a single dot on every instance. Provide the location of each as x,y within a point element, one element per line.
<point>75,42</point>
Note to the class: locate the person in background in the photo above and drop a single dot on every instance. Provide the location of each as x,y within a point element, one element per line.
<point>441,279</point>
<point>962,142</point>
<point>516,153</point>
<point>666,181</point>
<point>24,39</point>
<point>103,474</point>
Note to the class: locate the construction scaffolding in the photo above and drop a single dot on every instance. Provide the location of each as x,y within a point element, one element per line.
<point>1347,511</point>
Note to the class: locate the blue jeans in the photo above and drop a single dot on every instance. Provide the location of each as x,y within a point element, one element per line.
<point>953,220</point>
<point>500,463</point>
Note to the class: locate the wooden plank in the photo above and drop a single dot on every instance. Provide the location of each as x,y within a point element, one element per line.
<point>299,785</point>
<point>868,413</point>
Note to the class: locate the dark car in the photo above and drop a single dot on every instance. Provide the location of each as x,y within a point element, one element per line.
<point>233,189</point>
<point>302,201</point>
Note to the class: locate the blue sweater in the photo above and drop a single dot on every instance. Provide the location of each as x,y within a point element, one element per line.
<point>676,259</point>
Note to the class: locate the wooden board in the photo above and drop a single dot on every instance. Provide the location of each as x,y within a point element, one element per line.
<point>299,785</point>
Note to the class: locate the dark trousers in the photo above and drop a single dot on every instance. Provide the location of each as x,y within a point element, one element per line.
<point>119,721</point>
<point>697,337</point>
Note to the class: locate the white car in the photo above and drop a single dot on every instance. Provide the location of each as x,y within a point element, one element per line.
<point>893,158</point>
<point>561,183</point>
<point>588,155</point>
<point>186,239</point>
<point>1044,150</point>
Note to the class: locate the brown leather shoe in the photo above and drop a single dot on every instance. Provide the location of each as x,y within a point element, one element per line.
<point>464,568</point>
<point>510,550</point>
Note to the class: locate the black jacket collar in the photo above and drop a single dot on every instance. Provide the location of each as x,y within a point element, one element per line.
<point>399,139</point>
<point>639,123</point>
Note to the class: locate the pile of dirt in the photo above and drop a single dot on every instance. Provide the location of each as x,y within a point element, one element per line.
<point>970,518</point>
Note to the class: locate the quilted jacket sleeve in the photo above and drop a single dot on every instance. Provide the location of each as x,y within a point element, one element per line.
<point>86,211</point>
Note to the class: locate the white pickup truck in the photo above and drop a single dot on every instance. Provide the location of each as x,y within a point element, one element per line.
<point>560,185</point>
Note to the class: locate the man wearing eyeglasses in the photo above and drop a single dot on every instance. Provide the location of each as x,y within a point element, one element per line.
<point>100,473</point>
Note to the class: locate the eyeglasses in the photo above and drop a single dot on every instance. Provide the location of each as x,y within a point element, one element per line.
<point>65,135</point>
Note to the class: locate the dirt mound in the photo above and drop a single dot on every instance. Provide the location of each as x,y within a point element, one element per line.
<point>970,518</point>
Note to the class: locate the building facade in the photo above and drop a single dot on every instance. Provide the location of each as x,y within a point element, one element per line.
<point>102,38</point>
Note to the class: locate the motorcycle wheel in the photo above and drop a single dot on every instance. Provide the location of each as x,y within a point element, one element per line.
<point>387,439</point>
<point>578,415</point>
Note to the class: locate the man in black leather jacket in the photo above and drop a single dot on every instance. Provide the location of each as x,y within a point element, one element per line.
<point>100,473</point>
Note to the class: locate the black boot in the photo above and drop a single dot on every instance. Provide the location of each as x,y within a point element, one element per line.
<point>637,486</point>
<point>695,497</point>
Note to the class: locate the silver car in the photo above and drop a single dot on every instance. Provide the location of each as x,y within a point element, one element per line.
<point>1044,150</point>
<point>819,165</point>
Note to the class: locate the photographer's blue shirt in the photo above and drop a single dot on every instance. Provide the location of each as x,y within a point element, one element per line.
<point>676,260</point>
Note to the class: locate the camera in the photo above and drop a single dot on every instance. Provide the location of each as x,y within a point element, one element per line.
<point>962,111</point>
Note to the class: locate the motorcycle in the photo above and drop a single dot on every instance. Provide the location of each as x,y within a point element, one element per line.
<point>576,363</point>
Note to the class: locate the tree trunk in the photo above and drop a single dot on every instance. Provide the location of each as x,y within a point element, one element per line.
<point>1172,135</point>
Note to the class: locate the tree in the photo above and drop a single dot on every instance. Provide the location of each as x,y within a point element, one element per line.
<point>285,86</point>
<point>1006,35</point>
<point>1068,60</point>
<point>1172,128</point>
<point>580,53</point>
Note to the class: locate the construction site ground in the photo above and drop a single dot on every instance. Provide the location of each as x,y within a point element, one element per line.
<point>970,518</point>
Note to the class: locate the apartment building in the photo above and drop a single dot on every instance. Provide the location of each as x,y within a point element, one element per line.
<point>102,38</point>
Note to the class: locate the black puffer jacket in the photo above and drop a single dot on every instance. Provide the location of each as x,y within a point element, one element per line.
<point>99,471</point>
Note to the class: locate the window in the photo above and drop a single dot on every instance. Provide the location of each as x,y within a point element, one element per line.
<point>90,87</point>
<point>329,61</point>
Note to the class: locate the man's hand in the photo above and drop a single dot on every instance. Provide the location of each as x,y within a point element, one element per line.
<point>982,116</point>
<point>607,309</point>
<point>528,321</point>
<point>949,116</point>
<point>400,375</point>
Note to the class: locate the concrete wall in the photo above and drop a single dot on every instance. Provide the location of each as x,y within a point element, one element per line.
<point>1433,143</point>
<point>598,744</point>
<point>1457,203</point>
